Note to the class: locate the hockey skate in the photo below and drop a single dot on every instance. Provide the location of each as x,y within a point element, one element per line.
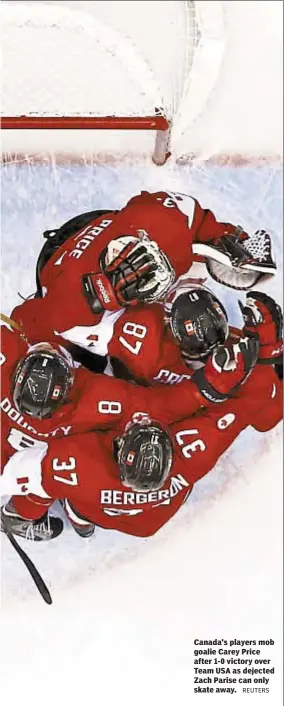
<point>237,261</point>
<point>43,529</point>
<point>82,527</point>
<point>85,531</point>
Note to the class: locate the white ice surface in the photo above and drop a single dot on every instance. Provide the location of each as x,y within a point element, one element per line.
<point>126,610</point>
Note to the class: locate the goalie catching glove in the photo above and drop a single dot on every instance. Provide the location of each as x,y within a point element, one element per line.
<point>238,260</point>
<point>263,317</point>
<point>227,368</point>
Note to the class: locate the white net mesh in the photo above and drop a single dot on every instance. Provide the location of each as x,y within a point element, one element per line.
<point>96,58</point>
<point>84,59</point>
<point>121,58</point>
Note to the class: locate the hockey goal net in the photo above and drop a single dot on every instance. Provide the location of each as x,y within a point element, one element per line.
<point>110,66</point>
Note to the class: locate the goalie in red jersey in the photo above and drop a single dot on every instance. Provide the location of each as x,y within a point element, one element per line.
<point>102,261</point>
<point>136,481</point>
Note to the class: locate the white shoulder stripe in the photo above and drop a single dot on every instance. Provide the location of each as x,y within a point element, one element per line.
<point>93,338</point>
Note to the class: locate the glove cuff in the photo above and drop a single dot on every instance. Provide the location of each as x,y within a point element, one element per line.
<point>99,292</point>
<point>206,389</point>
<point>270,353</point>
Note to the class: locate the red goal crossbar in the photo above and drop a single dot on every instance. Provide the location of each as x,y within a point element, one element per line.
<point>58,122</point>
<point>111,122</point>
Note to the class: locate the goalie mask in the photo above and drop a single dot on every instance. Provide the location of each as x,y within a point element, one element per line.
<point>42,380</point>
<point>144,456</point>
<point>198,321</point>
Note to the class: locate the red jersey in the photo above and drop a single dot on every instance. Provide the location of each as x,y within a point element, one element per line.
<point>173,221</point>
<point>96,401</point>
<point>143,347</point>
<point>83,470</point>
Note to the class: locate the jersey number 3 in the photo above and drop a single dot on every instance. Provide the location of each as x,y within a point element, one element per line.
<point>189,449</point>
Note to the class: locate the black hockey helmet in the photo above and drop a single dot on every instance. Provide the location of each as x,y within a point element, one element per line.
<point>144,455</point>
<point>198,321</point>
<point>42,380</point>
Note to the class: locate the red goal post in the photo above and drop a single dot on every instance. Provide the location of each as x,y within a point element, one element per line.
<point>111,122</point>
<point>104,66</point>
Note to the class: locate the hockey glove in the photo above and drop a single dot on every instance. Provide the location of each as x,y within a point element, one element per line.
<point>120,283</point>
<point>240,260</point>
<point>99,293</point>
<point>263,317</point>
<point>140,273</point>
<point>227,368</point>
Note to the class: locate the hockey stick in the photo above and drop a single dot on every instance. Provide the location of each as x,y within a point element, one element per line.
<point>39,582</point>
<point>11,322</point>
<point>14,325</point>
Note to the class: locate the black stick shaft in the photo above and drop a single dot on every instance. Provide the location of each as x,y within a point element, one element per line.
<point>38,580</point>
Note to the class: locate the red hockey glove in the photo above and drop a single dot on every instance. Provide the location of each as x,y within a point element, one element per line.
<point>99,293</point>
<point>263,317</point>
<point>131,278</point>
<point>140,273</point>
<point>227,368</point>
<point>131,272</point>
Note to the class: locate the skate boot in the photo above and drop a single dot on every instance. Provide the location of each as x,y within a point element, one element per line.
<point>45,528</point>
<point>83,527</point>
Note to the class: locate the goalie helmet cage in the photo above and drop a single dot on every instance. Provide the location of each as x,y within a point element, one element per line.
<point>107,66</point>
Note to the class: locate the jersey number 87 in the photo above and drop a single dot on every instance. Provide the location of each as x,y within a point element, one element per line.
<point>136,330</point>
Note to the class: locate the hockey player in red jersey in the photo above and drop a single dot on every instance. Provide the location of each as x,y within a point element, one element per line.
<point>110,496</point>
<point>128,257</point>
<point>124,491</point>
<point>154,345</point>
<point>44,396</point>
<point>146,341</point>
